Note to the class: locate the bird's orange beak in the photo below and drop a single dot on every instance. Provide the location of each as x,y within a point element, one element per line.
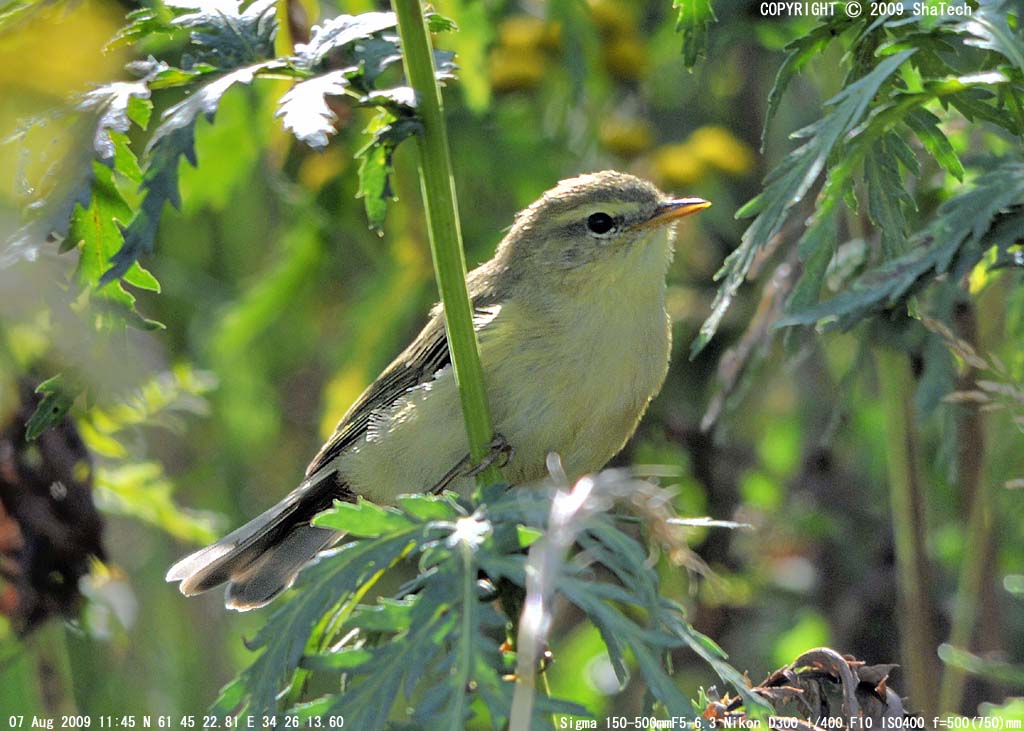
<point>673,210</point>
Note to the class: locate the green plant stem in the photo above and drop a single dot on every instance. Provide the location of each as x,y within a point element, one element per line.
<point>969,589</point>
<point>917,641</point>
<point>53,669</point>
<point>438,188</point>
<point>975,569</point>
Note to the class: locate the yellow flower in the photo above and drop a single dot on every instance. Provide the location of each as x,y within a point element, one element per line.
<point>613,17</point>
<point>318,169</point>
<point>626,136</point>
<point>677,165</point>
<point>527,32</point>
<point>516,69</point>
<point>718,147</point>
<point>625,57</point>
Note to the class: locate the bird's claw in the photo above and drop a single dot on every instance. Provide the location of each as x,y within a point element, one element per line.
<point>499,449</point>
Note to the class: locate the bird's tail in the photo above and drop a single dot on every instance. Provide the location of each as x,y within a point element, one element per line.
<point>262,558</point>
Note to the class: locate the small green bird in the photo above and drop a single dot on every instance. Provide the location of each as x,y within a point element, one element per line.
<point>574,342</point>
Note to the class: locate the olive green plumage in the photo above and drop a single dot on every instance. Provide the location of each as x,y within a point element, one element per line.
<point>574,342</point>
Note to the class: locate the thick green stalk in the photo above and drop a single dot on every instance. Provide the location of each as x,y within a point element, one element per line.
<point>968,594</point>
<point>917,641</point>
<point>438,188</point>
<point>976,568</point>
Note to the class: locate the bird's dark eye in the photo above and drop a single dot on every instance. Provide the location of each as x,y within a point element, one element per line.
<point>600,223</point>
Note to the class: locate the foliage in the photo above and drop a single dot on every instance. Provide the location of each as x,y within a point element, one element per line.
<point>112,226</point>
<point>694,18</point>
<point>429,655</point>
<point>903,194</point>
<point>897,67</point>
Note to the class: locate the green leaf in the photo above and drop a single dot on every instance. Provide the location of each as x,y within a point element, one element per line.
<point>172,140</point>
<point>527,535</point>
<point>820,242</point>
<point>341,31</point>
<point>139,110</point>
<point>144,492</point>
<point>115,105</point>
<point>989,27</point>
<point>887,194</point>
<point>960,233</point>
<point>926,126</point>
<point>323,587</point>
<point>695,16</point>
<point>428,507</point>
<point>95,231</point>
<point>790,181</point>
<point>225,36</point>
<point>58,393</point>
<point>143,24</point>
<point>125,162</point>
<point>437,23</point>
<point>994,670</point>
<point>362,519</point>
<point>388,615</point>
<point>346,659</point>
<point>800,51</point>
<point>375,163</point>
<point>304,110</point>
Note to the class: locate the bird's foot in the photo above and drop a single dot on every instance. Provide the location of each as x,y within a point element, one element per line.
<point>499,453</point>
<point>499,449</point>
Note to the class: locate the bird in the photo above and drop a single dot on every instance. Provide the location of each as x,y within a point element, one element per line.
<point>574,341</point>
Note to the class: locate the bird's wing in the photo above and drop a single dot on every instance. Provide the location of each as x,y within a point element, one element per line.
<point>427,354</point>
<point>417,365</point>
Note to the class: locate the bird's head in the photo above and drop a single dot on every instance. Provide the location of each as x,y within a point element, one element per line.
<point>592,219</point>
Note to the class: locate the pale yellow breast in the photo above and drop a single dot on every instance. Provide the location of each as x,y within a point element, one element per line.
<point>572,376</point>
<point>587,390</point>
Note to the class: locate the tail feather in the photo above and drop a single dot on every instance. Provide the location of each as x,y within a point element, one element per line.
<point>262,558</point>
<point>275,570</point>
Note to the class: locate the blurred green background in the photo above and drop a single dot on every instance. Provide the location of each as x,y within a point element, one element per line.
<point>280,306</point>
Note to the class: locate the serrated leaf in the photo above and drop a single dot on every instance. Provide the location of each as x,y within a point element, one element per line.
<point>362,519</point>
<point>172,140</point>
<point>95,231</point>
<point>695,16</point>
<point>59,393</point>
<point>790,181</point>
<point>989,27</point>
<point>125,161</point>
<point>800,51</point>
<point>437,23</point>
<point>819,242</point>
<point>304,110</point>
<point>224,35</point>
<point>887,195</point>
<point>322,587</point>
<point>142,24</point>
<point>345,659</point>
<point>925,125</point>
<point>111,104</point>
<point>139,110</point>
<point>428,507</point>
<point>141,278</point>
<point>375,163</point>
<point>340,31</point>
<point>960,232</point>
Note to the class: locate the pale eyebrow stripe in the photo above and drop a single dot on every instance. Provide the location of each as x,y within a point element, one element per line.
<point>571,216</point>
